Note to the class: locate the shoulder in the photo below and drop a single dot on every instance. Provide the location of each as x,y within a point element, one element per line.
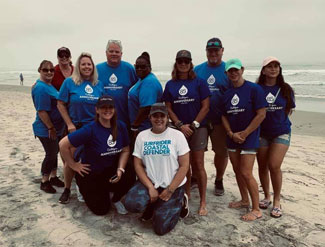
<point>127,65</point>
<point>101,65</point>
<point>200,66</point>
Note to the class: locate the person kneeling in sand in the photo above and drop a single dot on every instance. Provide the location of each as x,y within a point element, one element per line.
<point>103,160</point>
<point>161,161</point>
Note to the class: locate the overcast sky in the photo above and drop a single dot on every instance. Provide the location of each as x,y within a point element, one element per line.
<point>33,30</point>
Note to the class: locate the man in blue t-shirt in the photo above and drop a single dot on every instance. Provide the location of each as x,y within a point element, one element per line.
<point>118,77</point>
<point>213,72</point>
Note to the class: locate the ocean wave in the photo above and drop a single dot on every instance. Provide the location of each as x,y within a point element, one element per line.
<point>310,96</point>
<point>308,83</point>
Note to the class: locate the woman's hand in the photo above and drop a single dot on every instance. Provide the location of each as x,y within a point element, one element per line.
<point>165,195</point>
<point>80,168</point>
<point>119,174</point>
<point>153,193</point>
<point>237,138</point>
<point>52,133</point>
<point>186,130</point>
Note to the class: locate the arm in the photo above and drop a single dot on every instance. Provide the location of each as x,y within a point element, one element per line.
<point>66,153</point>
<point>184,164</point>
<point>62,107</point>
<point>44,116</point>
<point>257,120</point>
<point>227,127</point>
<point>142,175</point>
<point>141,116</point>
<point>185,128</point>
<point>124,156</point>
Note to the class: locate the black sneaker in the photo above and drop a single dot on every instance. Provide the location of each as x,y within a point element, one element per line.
<point>185,211</point>
<point>218,188</point>
<point>47,187</point>
<point>148,213</point>
<point>65,197</point>
<point>55,181</point>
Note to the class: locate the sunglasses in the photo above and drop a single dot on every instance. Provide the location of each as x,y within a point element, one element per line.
<point>143,66</point>
<point>181,61</point>
<point>47,70</point>
<point>63,54</point>
<point>214,44</point>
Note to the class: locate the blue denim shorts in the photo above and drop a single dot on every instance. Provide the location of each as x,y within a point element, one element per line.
<point>281,139</point>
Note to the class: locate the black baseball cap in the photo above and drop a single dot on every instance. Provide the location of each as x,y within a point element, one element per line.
<point>105,100</point>
<point>214,43</point>
<point>64,50</point>
<point>158,107</point>
<point>184,54</point>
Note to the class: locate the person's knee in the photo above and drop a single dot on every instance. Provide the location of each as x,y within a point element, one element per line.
<point>274,169</point>
<point>134,205</point>
<point>246,174</point>
<point>97,209</point>
<point>162,227</point>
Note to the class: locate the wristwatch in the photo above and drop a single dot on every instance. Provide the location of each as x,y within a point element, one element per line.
<point>195,124</point>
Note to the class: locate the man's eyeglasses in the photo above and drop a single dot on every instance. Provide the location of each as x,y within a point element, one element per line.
<point>181,61</point>
<point>47,70</point>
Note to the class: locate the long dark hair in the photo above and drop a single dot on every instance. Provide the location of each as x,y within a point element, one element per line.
<point>191,73</point>
<point>113,122</point>
<point>286,90</point>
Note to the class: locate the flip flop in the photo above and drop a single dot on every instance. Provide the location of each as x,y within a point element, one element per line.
<point>238,205</point>
<point>251,216</point>
<point>264,204</point>
<point>276,212</point>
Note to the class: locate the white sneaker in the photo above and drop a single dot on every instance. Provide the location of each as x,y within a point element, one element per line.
<point>120,207</point>
<point>79,195</point>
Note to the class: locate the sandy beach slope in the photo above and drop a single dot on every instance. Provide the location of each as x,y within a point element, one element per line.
<point>29,217</point>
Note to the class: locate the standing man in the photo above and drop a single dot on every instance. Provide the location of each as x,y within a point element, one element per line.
<point>21,79</point>
<point>118,77</point>
<point>213,72</point>
<point>64,67</point>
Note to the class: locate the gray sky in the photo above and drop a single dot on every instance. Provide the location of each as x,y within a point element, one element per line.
<point>292,30</point>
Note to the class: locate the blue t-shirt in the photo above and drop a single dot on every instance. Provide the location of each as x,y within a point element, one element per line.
<point>100,151</point>
<point>144,93</point>
<point>45,99</point>
<point>277,121</point>
<point>81,99</point>
<point>239,106</point>
<point>218,83</point>
<point>117,82</point>
<point>185,97</point>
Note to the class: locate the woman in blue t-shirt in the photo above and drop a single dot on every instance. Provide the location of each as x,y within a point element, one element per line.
<point>187,100</point>
<point>76,103</point>
<point>142,95</point>
<point>275,131</point>
<point>104,156</point>
<point>243,112</point>
<point>48,125</point>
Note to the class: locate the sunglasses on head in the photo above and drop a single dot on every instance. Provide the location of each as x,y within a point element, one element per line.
<point>143,66</point>
<point>181,61</point>
<point>63,54</point>
<point>47,70</point>
<point>214,44</point>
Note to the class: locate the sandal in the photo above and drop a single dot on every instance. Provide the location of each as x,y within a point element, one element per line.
<point>276,212</point>
<point>238,205</point>
<point>251,216</point>
<point>264,204</point>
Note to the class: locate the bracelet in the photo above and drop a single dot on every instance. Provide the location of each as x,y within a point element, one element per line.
<point>121,169</point>
<point>169,190</point>
<point>134,128</point>
<point>179,124</point>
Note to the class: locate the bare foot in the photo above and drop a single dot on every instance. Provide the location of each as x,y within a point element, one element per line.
<point>238,204</point>
<point>251,216</point>
<point>203,211</point>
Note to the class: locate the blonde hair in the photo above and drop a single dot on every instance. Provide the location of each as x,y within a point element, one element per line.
<point>77,77</point>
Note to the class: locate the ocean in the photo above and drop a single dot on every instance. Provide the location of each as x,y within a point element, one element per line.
<point>308,82</point>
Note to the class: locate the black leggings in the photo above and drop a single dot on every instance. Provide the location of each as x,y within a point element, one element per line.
<point>51,148</point>
<point>95,188</point>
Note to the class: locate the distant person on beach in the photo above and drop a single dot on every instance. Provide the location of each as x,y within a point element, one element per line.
<point>161,160</point>
<point>142,95</point>
<point>104,155</point>
<point>118,76</point>
<point>48,126</point>
<point>243,111</point>
<point>21,79</point>
<point>187,100</point>
<point>76,103</point>
<point>275,131</point>
<point>213,73</point>
<point>64,67</point>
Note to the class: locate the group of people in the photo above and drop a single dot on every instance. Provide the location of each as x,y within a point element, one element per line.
<point>120,134</point>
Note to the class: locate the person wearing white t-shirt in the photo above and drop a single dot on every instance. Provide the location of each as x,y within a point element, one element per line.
<point>161,161</point>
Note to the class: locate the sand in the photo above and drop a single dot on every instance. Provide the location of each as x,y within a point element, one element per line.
<point>30,217</point>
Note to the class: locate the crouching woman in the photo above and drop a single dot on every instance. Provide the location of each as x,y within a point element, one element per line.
<point>161,161</point>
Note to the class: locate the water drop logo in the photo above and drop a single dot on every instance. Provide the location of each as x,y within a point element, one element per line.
<point>270,98</point>
<point>110,141</point>
<point>235,100</point>
<point>89,89</point>
<point>183,91</point>
<point>113,78</point>
<point>211,80</point>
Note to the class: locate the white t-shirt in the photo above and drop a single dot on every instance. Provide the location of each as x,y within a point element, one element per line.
<point>159,154</point>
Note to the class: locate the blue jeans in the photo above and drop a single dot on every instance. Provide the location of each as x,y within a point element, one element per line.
<point>51,148</point>
<point>166,214</point>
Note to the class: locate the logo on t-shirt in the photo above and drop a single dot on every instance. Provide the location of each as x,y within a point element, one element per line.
<point>183,90</point>
<point>211,80</point>
<point>89,89</point>
<point>110,141</point>
<point>113,78</point>
<point>235,100</point>
<point>270,98</point>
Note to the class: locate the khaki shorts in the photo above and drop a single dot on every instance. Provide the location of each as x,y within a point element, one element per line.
<point>218,138</point>
<point>199,140</point>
